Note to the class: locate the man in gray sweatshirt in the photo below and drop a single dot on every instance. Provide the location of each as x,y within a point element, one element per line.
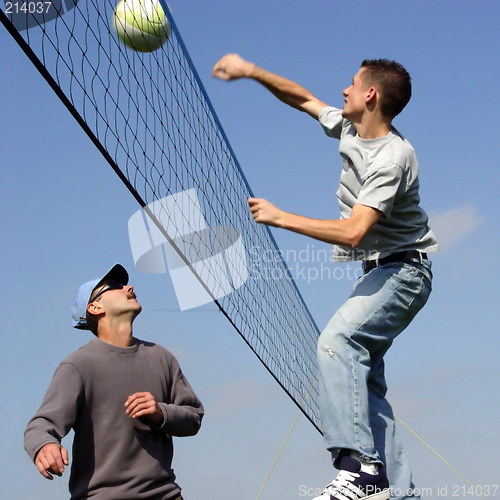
<point>123,397</point>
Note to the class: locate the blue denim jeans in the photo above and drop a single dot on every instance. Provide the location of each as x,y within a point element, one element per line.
<point>355,414</point>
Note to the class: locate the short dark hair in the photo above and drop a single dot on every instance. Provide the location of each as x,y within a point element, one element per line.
<point>393,81</point>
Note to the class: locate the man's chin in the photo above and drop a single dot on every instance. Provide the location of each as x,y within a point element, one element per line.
<point>138,310</point>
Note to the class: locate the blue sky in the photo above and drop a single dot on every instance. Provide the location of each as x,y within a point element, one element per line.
<point>65,214</point>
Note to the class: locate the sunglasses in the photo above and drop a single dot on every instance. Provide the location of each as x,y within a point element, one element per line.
<point>109,285</point>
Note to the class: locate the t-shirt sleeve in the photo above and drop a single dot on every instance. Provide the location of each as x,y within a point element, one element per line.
<point>332,122</point>
<point>380,187</point>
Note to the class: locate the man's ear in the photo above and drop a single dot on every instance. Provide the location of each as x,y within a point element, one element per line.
<point>371,95</point>
<point>95,308</point>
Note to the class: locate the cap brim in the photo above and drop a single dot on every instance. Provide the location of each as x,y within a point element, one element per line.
<point>118,273</point>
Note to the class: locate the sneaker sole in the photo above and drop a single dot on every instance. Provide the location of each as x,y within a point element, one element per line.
<point>383,495</point>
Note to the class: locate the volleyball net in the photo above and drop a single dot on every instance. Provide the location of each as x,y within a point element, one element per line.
<point>150,117</point>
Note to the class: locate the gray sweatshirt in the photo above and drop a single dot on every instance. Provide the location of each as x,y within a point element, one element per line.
<point>116,457</point>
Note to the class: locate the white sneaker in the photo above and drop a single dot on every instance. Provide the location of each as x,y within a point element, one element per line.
<point>353,484</point>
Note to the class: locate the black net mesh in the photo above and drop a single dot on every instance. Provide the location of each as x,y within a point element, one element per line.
<point>150,117</point>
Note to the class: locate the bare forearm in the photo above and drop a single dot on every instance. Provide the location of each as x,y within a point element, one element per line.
<point>346,232</point>
<point>233,67</point>
<point>336,231</point>
<point>285,90</point>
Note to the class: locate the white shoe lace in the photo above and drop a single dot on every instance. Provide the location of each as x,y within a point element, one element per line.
<point>342,488</point>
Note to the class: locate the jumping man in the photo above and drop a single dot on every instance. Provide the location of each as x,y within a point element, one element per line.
<point>381,224</point>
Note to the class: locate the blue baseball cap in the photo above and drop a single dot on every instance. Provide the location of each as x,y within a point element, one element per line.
<point>83,293</point>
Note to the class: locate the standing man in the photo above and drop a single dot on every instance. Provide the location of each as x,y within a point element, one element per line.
<point>123,397</point>
<point>382,225</point>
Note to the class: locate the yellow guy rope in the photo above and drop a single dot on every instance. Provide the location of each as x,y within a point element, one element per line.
<point>439,456</point>
<point>400,421</point>
<point>286,439</point>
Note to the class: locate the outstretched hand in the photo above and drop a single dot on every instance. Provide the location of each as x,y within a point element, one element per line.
<point>143,404</point>
<point>265,212</point>
<point>51,459</point>
<point>231,67</point>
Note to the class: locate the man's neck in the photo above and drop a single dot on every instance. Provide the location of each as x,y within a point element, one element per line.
<point>371,124</point>
<point>372,130</point>
<point>116,334</point>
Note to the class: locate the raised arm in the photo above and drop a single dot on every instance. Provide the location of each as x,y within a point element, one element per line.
<point>233,67</point>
